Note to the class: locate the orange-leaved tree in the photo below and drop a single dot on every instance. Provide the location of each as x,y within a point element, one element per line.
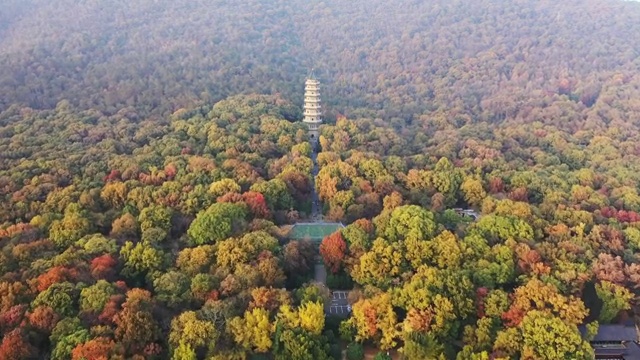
<point>333,249</point>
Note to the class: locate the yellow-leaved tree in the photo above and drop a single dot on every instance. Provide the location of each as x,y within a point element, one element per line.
<point>312,317</point>
<point>253,331</point>
<point>374,319</point>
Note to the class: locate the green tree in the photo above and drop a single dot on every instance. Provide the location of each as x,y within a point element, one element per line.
<point>300,345</point>
<point>497,229</point>
<point>615,298</point>
<point>276,194</point>
<point>467,353</point>
<point>65,344</point>
<point>446,179</point>
<point>545,336</point>
<point>61,297</point>
<point>141,259</point>
<point>437,301</point>
<point>155,216</point>
<point>65,336</point>
<point>73,226</point>
<point>97,245</point>
<point>216,223</point>
<point>496,268</point>
<point>313,292</point>
<point>356,237</point>
<point>173,288</point>
<point>95,297</point>
<point>419,347</point>
<point>410,222</point>
<point>355,351</point>
<point>154,236</point>
<point>65,327</point>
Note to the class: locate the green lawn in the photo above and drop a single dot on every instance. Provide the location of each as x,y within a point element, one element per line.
<point>313,231</point>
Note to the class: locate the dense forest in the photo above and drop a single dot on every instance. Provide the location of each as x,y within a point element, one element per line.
<point>152,162</point>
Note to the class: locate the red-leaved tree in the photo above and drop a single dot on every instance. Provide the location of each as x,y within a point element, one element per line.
<point>15,346</point>
<point>257,204</point>
<point>103,267</point>
<point>98,348</point>
<point>11,318</point>
<point>55,275</point>
<point>333,249</point>
<point>43,318</point>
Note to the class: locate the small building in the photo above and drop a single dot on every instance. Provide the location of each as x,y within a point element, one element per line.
<point>467,213</point>
<point>313,231</point>
<point>615,341</point>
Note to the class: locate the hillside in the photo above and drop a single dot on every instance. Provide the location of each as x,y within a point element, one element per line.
<point>152,162</point>
<point>402,59</point>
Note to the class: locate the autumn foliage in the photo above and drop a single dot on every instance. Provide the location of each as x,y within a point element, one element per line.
<point>43,318</point>
<point>486,171</point>
<point>15,346</point>
<point>54,275</point>
<point>103,267</point>
<point>100,348</point>
<point>333,250</point>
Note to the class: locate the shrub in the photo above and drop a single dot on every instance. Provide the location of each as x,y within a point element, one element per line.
<point>355,351</point>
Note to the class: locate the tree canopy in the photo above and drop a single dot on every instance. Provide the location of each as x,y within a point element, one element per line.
<point>484,160</point>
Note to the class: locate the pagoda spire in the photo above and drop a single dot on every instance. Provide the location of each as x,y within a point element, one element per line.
<point>312,113</point>
<point>312,75</point>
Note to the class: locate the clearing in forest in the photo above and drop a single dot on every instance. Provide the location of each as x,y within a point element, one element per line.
<point>313,231</point>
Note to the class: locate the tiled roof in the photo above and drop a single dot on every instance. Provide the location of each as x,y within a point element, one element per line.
<point>624,333</point>
<point>614,332</point>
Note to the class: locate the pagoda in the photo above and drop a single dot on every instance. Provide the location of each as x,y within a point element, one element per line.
<point>312,113</point>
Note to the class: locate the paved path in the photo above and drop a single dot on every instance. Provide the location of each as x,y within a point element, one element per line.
<point>316,207</point>
<point>320,273</point>
<point>339,305</point>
